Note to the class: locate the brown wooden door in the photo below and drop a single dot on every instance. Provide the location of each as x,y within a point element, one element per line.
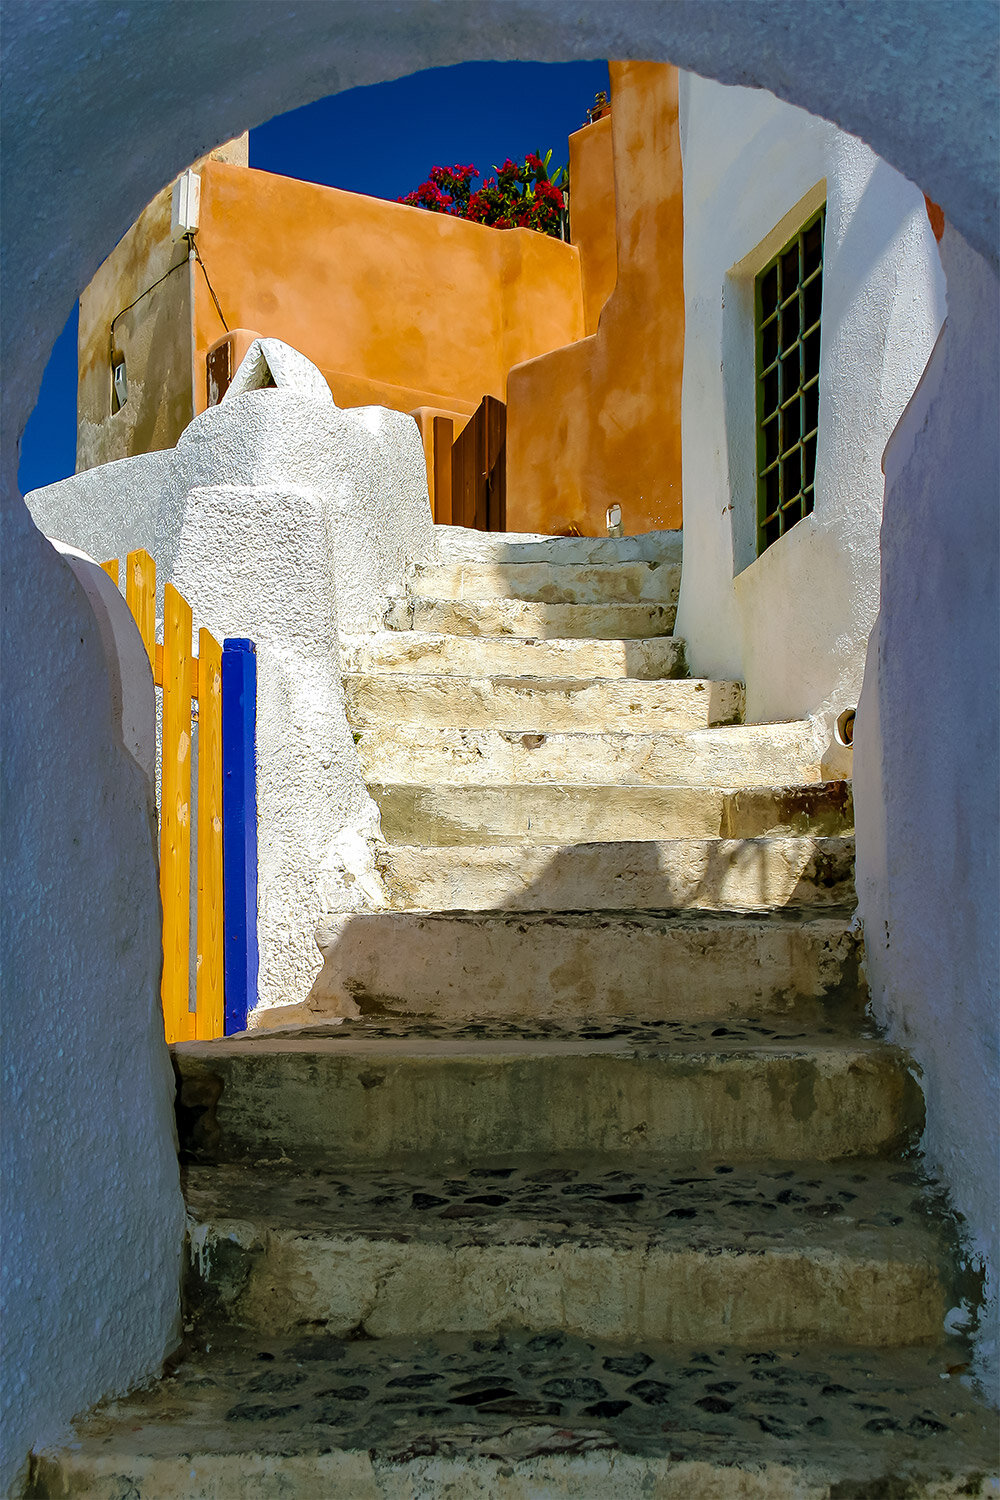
<point>479,469</point>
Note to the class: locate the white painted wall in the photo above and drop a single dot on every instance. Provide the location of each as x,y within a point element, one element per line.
<point>926,773</point>
<point>280,518</point>
<point>77,880</point>
<point>793,623</point>
<point>91,1212</point>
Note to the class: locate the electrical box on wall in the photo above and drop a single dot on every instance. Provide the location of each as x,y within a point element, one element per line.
<point>185,205</point>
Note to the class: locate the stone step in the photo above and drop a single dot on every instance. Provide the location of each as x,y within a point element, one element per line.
<point>516,617</point>
<point>549,583</point>
<point>505,656</point>
<point>523,1416</point>
<point>454,544</point>
<point>740,755</point>
<point>706,874</point>
<point>702,1251</point>
<point>570,812</point>
<point>514,964</point>
<point>357,1094</point>
<point>552,705</point>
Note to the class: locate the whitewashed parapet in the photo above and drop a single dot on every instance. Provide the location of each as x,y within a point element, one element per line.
<point>282,518</point>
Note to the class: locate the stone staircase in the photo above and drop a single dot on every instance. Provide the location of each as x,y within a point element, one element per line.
<point>608,1187</point>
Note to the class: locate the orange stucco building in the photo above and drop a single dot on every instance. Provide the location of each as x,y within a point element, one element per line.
<point>427,314</point>
<point>597,422</point>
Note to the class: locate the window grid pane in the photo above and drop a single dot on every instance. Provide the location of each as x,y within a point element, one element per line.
<point>789,296</point>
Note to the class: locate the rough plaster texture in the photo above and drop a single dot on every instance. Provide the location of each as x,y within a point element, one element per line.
<point>92,1217</point>
<point>133,696</point>
<point>916,82</point>
<point>925,781</point>
<point>272,362</point>
<point>794,622</point>
<point>278,517</point>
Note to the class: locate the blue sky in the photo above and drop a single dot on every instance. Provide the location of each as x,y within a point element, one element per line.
<point>381,140</point>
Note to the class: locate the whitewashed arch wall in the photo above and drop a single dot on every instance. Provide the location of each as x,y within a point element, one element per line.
<point>102,104</point>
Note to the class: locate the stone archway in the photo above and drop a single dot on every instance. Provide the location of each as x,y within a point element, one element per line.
<point>102,105</point>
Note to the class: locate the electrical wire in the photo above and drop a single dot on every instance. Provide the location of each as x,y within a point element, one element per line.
<point>208,281</point>
<point>152,288</point>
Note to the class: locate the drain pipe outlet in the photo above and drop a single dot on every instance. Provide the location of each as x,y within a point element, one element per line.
<point>843,730</point>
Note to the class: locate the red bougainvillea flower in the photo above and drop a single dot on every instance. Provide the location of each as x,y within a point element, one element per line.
<point>523,196</point>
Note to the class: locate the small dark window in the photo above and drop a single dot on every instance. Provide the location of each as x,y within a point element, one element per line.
<point>789,299</point>
<point>119,383</point>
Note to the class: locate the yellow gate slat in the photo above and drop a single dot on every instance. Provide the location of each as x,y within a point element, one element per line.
<point>208,986</point>
<point>184,677</point>
<point>175,815</point>
<point>140,592</point>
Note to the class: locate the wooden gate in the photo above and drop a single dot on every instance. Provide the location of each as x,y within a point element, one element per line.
<point>185,680</point>
<point>479,469</point>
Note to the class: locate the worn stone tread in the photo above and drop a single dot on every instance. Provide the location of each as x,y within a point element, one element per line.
<point>573,812</point>
<point>455,544</point>
<point>524,1415</point>
<point>635,582</point>
<point>700,1203</point>
<point>776,1251</point>
<point>395,1094</point>
<point>654,965</point>
<point>550,704</point>
<point>624,1036</point>
<point>528,619</point>
<point>658,658</point>
<point>736,755</point>
<point>704,874</point>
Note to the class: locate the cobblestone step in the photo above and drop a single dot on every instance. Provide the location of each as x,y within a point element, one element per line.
<point>516,617</point>
<point>550,582</point>
<point>361,1094</point>
<point>705,874</point>
<point>522,1416</point>
<point>559,704</point>
<point>484,656</point>
<point>735,756</point>
<point>701,1251</point>
<point>514,964</point>
<point>574,812</point>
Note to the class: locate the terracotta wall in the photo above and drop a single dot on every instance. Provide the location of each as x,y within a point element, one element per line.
<point>592,215</point>
<point>395,305</point>
<point>599,422</point>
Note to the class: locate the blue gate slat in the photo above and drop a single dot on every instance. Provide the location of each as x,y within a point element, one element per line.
<point>239,829</point>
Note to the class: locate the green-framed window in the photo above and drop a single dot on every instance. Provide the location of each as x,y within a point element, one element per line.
<point>789,300</point>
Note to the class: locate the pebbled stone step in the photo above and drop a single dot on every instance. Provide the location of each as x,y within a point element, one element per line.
<point>559,813</point>
<point>700,1251</point>
<point>550,582</point>
<point>552,705</point>
<point>469,656</point>
<point>459,965</point>
<point>734,756</point>
<point>704,874</point>
<point>660,657</point>
<point>455,544</point>
<point>529,1415</point>
<point>516,617</point>
<point>360,1094</point>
